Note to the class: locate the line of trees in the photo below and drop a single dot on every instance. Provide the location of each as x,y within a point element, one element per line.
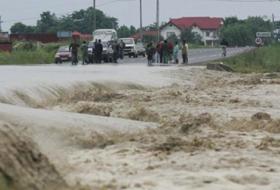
<point>243,32</point>
<point>81,21</point>
<point>236,32</point>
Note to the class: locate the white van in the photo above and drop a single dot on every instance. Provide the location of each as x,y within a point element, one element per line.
<point>105,35</point>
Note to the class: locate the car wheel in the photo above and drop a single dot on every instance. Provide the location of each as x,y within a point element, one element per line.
<point>57,61</point>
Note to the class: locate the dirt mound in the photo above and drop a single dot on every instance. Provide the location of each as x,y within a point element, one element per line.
<point>22,166</point>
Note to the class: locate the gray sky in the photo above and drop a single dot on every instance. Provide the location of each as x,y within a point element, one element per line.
<point>127,11</point>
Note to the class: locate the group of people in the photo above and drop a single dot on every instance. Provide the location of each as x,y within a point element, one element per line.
<point>166,52</point>
<point>97,51</point>
<point>118,50</point>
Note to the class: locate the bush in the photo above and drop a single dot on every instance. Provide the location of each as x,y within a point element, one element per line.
<point>265,59</point>
<point>26,57</point>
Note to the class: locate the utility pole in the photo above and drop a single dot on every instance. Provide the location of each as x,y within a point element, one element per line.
<point>94,15</point>
<point>1,24</point>
<point>158,30</point>
<point>273,27</point>
<point>141,22</point>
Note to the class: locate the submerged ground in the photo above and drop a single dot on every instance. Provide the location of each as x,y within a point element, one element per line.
<point>137,127</point>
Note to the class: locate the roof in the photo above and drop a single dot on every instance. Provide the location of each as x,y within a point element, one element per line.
<point>76,33</point>
<point>212,23</point>
<point>145,33</point>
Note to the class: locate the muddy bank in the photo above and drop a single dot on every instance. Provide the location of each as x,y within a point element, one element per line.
<point>23,166</point>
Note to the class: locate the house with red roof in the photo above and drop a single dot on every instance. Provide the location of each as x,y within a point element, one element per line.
<point>207,27</point>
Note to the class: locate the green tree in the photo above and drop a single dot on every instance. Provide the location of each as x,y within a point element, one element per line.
<point>230,20</point>
<point>132,30</point>
<point>190,36</point>
<point>243,32</point>
<point>47,23</point>
<point>173,38</point>
<point>20,28</point>
<point>124,32</point>
<point>81,21</point>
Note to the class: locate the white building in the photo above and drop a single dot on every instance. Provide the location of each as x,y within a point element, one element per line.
<point>207,27</point>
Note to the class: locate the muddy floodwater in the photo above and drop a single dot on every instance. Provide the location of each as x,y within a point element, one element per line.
<point>134,127</point>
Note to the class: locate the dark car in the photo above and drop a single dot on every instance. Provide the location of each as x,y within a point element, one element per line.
<point>63,54</point>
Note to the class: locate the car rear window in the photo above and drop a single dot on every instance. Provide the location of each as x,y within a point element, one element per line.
<point>63,49</point>
<point>128,41</point>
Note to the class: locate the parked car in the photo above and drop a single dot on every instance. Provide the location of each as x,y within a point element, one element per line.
<point>130,47</point>
<point>63,54</point>
<point>140,49</point>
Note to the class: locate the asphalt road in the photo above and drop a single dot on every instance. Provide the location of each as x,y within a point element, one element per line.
<point>129,70</point>
<point>197,55</point>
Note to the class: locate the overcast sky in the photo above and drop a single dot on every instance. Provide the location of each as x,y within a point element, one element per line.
<point>127,11</point>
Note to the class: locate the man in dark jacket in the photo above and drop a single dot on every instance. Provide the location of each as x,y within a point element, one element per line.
<point>99,50</point>
<point>165,52</point>
<point>150,53</point>
<point>122,46</point>
<point>116,49</point>
<point>74,48</point>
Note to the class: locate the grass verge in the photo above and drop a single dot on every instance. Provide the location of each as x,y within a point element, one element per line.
<point>261,60</point>
<point>26,57</point>
<point>30,53</point>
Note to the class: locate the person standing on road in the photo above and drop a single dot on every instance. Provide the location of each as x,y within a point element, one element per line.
<point>150,53</point>
<point>185,50</point>
<point>98,51</point>
<point>116,49</point>
<point>224,45</point>
<point>122,46</point>
<point>170,50</point>
<point>84,49</point>
<point>165,52</point>
<point>74,48</point>
<point>176,52</point>
<point>158,49</point>
<point>94,60</point>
